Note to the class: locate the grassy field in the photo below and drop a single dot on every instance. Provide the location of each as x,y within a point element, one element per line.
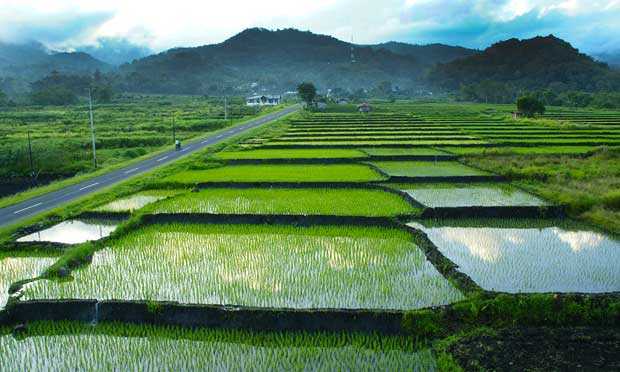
<point>343,202</point>
<point>125,130</point>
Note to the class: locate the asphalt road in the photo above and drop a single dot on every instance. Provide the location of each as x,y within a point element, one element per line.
<point>45,202</point>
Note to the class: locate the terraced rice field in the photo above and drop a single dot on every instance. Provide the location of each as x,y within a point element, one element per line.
<point>354,264</point>
<point>279,266</point>
<point>73,232</point>
<point>470,195</point>
<point>427,169</point>
<point>280,173</point>
<point>137,201</point>
<point>113,347</point>
<point>338,202</point>
<point>16,268</point>
<point>529,258</point>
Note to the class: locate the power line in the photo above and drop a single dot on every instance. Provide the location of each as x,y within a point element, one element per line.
<point>92,125</point>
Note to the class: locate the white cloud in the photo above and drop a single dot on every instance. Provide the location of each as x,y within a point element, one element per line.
<point>592,25</point>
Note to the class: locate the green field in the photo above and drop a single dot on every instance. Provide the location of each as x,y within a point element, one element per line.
<point>338,202</point>
<point>113,347</point>
<point>280,173</point>
<point>444,281</point>
<point>470,195</point>
<point>125,129</point>
<point>267,266</point>
<point>290,154</point>
<point>426,169</point>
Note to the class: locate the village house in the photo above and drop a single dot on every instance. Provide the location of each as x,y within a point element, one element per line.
<point>263,100</point>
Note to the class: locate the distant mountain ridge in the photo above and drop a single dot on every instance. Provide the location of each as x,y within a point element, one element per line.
<point>264,60</point>
<point>537,63</point>
<point>276,60</point>
<point>428,54</point>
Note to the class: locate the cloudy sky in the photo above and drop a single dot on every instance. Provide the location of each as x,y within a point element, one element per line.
<point>591,25</point>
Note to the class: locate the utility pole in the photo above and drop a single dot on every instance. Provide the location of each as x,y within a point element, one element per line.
<point>174,135</point>
<point>32,175</point>
<point>92,125</point>
<point>225,108</point>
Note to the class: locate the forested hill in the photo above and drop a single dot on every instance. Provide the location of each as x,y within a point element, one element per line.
<point>537,63</point>
<point>275,60</point>
<point>22,64</point>
<point>429,54</point>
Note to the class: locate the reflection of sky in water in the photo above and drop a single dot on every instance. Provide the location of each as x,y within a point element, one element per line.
<point>473,197</point>
<point>130,204</point>
<point>531,260</point>
<point>70,232</point>
<point>13,269</point>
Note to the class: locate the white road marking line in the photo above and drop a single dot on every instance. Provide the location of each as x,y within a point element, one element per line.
<point>219,136</point>
<point>162,159</point>
<point>23,209</point>
<point>131,170</point>
<point>205,141</point>
<point>185,149</point>
<point>88,186</point>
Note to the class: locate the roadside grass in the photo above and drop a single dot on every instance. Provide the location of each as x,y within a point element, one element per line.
<point>427,169</point>
<point>338,202</point>
<point>279,173</point>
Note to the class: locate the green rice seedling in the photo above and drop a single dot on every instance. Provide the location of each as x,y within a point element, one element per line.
<point>534,150</point>
<point>427,169</point>
<point>340,202</point>
<point>387,151</point>
<point>111,347</point>
<point>530,259</point>
<point>470,195</point>
<point>365,143</point>
<point>137,201</point>
<point>260,265</point>
<point>280,173</point>
<point>291,154</point>
<point>13,269</point>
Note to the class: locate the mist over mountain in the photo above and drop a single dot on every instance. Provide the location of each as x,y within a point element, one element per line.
<point>23,64</point>
<point>261,60</point>
<point>115,51</point>
<point>429,54</point>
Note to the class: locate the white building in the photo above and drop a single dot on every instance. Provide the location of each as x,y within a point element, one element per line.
<point>263,100</point>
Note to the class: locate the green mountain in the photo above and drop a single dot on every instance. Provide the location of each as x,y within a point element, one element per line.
<point>537,63</point>
<point>22,64</point>
<point>269,60</point>
<point>429,54</point>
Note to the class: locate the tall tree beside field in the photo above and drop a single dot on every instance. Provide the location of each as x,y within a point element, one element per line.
<point>530,106</point>
<point>307,92</point>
